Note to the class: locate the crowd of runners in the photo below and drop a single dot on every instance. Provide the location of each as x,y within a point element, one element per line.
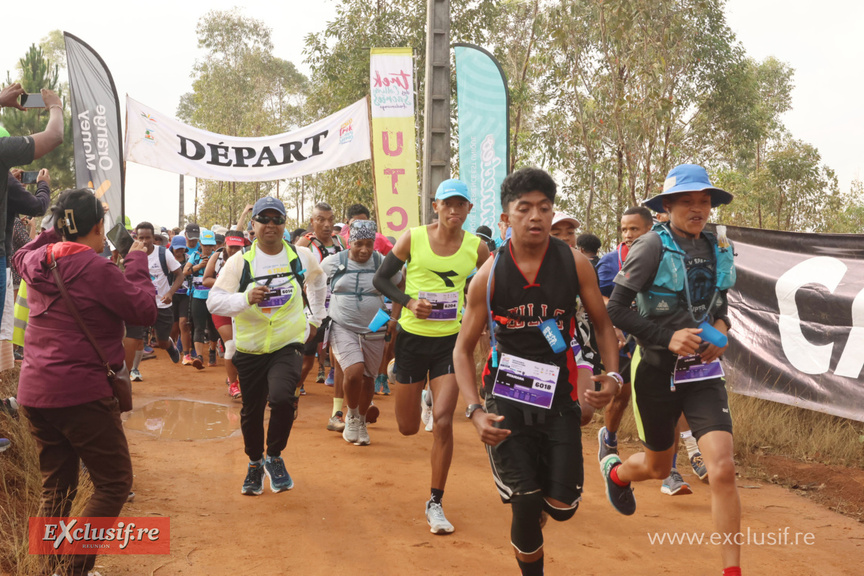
<point>569,333</point>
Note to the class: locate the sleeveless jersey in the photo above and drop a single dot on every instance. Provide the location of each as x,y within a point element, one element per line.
<point>520,304</point>
<point>439,279</point>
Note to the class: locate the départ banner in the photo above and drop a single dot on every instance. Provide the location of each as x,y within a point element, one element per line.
<point>157,140</point>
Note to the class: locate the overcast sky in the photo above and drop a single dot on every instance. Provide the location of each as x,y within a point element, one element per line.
<point>150,49</point>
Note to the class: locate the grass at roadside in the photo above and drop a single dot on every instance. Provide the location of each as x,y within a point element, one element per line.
<point>20,490</point>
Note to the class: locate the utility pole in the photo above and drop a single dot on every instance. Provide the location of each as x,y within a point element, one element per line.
<point>436,129</point>
<point>182,204</point>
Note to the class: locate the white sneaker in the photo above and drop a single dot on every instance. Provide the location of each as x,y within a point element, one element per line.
<point>352,429</point>
<point>362,435</point>
<point>426,409</point>
<point>438,523</point>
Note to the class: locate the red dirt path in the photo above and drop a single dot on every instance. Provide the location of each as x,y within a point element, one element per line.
<point>359,510</point>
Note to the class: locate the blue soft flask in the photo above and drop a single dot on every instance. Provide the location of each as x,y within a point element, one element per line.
<point>553,335</point>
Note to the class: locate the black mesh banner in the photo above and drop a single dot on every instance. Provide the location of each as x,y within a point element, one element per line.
<point>797,314</point>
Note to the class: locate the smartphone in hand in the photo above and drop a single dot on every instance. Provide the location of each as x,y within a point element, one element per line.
<point>120,238</point>
<point>29,177</point>
<point>32,101</point>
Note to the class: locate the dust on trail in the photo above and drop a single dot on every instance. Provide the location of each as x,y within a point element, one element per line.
<point>359,510</point>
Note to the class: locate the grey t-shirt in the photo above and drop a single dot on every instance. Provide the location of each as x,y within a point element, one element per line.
<point>347,309</point>
<point>14,151</point>
<point>641,266</point>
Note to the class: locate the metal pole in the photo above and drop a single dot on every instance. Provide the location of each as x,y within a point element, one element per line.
<point>182,204</point>
<point>436,129</point>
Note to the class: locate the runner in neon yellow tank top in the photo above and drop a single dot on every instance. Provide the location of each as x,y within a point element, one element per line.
<point>440,257</point>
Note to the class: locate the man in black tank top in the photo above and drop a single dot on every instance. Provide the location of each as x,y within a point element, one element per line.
<point>530,407</point>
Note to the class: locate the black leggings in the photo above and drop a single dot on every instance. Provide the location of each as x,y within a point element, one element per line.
<point>202,321</point>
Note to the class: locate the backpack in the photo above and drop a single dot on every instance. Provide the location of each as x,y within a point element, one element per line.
<point>163,262</point>
<point>296,271</point>
<point>342,269</point>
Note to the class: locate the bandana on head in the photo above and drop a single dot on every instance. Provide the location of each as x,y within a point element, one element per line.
<point>362,230</point>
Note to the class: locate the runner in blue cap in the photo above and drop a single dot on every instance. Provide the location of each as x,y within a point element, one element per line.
<point>676,368</point>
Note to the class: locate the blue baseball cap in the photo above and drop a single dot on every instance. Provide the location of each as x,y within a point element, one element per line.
<point>688,178</point>
<point>450,188</point>
<point>208,237</point>
<point>178,242</point>
<point>268,203</point>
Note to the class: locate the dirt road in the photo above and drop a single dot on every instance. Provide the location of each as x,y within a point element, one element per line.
<point>359,510</point>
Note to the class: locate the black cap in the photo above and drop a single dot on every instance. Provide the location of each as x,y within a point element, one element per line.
<point>193,231</point>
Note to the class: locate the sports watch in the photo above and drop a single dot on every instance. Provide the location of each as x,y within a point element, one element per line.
<point>472,408</point>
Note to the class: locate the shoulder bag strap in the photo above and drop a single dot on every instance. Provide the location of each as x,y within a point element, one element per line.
<point>70,305</point>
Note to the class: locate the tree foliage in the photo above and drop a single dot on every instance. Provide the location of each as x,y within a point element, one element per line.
<point>36,71</point>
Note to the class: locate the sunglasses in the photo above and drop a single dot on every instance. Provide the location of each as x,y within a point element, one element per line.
<point>278,220</point>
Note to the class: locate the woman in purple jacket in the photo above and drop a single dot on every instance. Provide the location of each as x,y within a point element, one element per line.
<point>63,389</point>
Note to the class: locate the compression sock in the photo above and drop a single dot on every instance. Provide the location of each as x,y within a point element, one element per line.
<point>137,359</point>
<point>437,496</point>
<point>689,443</point>
<point>337,405</point>
<point>732,571</point>
<point>675,461</point>
<point>532,568</point>
<point>611,438</point>
<point>614,476</point>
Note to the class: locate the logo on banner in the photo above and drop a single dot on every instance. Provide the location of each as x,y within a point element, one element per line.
<point>83,535</point>
<point>346,132</point>
<point>94,139</point>
<point>150,128</point>
<point>392,91</point>
<point>488,167</point>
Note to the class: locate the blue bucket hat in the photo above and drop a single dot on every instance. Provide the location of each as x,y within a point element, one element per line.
<point>450,188</point>
<point>688,178</point>
<point>208,237</point>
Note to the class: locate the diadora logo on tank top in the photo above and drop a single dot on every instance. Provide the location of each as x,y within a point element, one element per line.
<point>445,276</point>
<point>528,310</point>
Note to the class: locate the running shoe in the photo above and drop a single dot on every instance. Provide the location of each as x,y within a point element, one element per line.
<point>131,497</point>
<point>212,358</point>
<point>381,385</point>
<point>135,375</point>
<point>352,428</point>
<point>220,348</point>
<point>148,350</point>
<point>321,376</point>
<point>172,352</point>
<point>336,422</point>
<point>234,389</point>
<point>438,523</point>
<point>362,435</point>
<point>187,360</point>
<point>5,443</point>
<point>280,480</point>
<point>198,363</point>
<point>18,354</point>
<point>372,414</point>
<point>148,355</point>
<point>302,390</point>
<point>698,465</point>
<point>253,485</point>
<point>674,485</point>
<point>426,409</point>
<point>330,378</point>
<point>621,497</point>
<point>10,406</point>
<point>605,449</point>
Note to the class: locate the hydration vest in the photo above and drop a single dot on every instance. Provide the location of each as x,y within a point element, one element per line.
<point>342,269</point>
<point>670,289</point>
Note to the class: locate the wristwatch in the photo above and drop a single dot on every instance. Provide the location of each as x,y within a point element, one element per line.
<point>472,408</point>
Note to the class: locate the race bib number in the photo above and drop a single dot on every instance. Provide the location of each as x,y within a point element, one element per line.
<point>277,297</point>
<point>198,283</point>
<point>445,305</point>
<point>524,381</point>
<point>691,369</point>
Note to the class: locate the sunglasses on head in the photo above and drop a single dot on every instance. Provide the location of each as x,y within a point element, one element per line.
<point>278,220</point>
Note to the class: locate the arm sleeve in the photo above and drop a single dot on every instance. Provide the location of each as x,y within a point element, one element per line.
<point>606,271</point>
<point>316,285</point>
<point>383,280</point>
<point>627,319</point>
<point>224,299</point>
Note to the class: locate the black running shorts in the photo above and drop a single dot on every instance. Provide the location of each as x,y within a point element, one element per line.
<point>164,323</point>
<point>657,408</point>
<point>418,355</point>
<point>545,456</point>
